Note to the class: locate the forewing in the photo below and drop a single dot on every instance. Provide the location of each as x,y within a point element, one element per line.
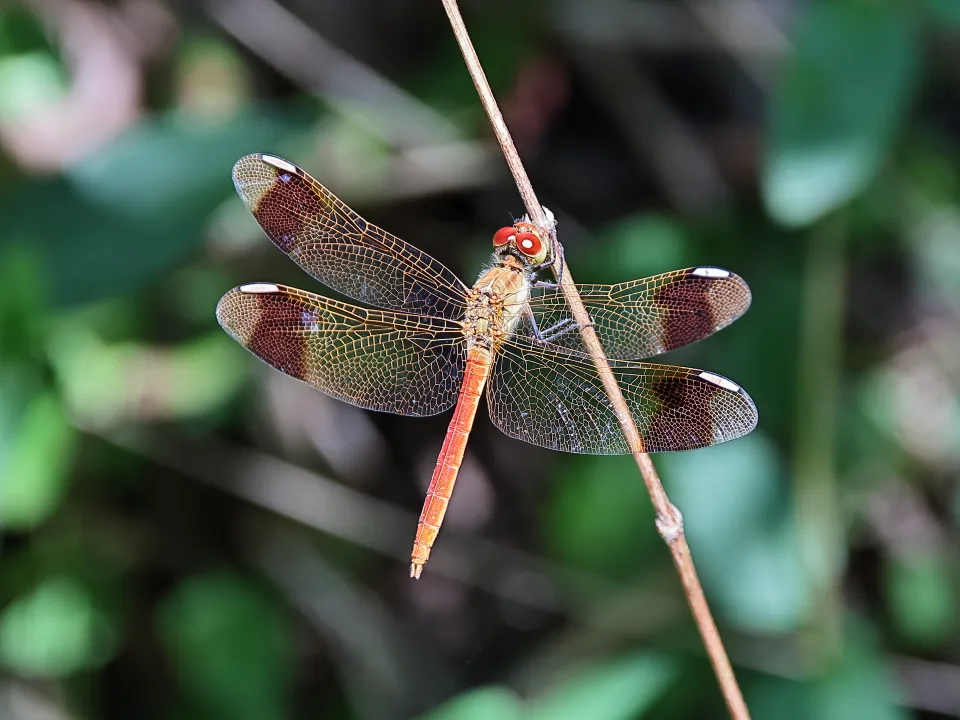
<point>380,360</point>
<point>338,247</point>
<point>646,317</point>
<point>553,397</point>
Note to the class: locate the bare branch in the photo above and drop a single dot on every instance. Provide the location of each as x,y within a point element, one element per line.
<point>669,520</point>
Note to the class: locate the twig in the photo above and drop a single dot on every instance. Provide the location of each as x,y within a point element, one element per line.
<point>669,520</point>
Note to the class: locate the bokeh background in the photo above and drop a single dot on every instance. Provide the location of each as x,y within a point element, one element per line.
<point>188,534</point>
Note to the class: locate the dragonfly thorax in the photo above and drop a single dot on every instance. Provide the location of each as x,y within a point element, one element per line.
<point>494,304</point>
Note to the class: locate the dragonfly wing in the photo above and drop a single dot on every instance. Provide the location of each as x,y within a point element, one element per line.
<point>338,247</point>
<point>554,398</point>
<point>646,317</point>
<point>380,360</point>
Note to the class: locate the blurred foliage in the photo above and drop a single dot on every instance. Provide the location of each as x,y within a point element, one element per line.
<point>613,690</point>
<point>149,467</point>
<point>838,105</point>
<point>229,646</point>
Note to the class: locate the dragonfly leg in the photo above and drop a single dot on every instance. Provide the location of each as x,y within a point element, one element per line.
<point>554,331</point>
<point>546,264</point>
<point>533,323</point>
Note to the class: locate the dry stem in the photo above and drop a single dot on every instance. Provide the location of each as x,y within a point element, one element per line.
<point>669,520</point>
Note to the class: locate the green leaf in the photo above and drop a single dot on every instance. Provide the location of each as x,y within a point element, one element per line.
<point>772,696</point>
<point>861,688</point>
<point>838,104</point>
<point>35,460</point>
<point>857,687</point>
<point>229,646</point>
<point>637,246</point>
<point>29,84</point>
<point>53,631</point>
<point>740,531</point>
<point>23,305</point>
<point>619,689</point>
<point>106,383</point>
<point>946,9</point>
<point>487,703</point>
<point>22,31</point>
<point>136,208</point>
<point>923,599</point>
<point>600,517</point>
<point>616,690</point>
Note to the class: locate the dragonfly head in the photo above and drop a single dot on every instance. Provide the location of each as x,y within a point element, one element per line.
<point>524,241</point>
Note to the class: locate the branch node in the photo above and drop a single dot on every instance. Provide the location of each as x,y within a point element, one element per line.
<point>670,525</point>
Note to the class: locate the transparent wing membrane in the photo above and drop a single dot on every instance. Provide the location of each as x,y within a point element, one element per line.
<point>646,317</point>
<point>409,357</point>
<point>338,247</point>
<point>392,362</point>
<point>553,397</point>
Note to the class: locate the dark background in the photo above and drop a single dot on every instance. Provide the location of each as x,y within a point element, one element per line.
<point>188,534</point>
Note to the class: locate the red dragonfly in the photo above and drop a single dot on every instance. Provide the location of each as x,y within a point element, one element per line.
<point>436,343</point>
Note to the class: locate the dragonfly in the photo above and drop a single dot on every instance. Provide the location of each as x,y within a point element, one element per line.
<point>430,343</point>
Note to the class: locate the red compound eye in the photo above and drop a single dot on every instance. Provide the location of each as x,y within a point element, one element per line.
<point>529,244</point>
<point>503,236</point>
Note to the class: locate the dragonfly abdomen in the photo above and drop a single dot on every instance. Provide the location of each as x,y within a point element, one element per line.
<point>451,457</point>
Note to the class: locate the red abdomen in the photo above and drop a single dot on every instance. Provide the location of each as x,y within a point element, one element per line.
<point>451,456</point>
